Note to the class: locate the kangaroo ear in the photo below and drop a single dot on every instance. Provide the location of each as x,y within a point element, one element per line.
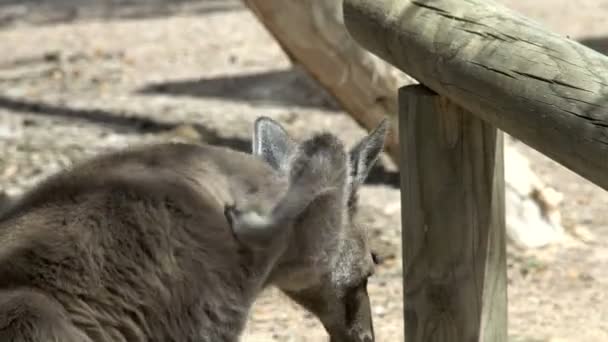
<point>313,171</point>
<point>365,153</point>
<point>272,143</point>
<point>256,229</point>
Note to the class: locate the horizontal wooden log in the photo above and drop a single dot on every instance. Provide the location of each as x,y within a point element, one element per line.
<point>546,90</point>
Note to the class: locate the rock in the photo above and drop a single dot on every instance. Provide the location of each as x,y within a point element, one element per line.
<point>532,216</point>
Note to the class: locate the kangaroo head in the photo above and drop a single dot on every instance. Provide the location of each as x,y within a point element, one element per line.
<point>327,261</point>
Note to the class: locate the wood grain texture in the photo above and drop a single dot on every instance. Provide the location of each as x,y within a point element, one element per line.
<point>312,34</point>
<point>452,178</point>
<point>548,91</point>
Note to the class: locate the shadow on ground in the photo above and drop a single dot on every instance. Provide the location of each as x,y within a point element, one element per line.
<point>120,122</point>
<point>133,122</point>
<point>280,87</point>
<point>47,12</point>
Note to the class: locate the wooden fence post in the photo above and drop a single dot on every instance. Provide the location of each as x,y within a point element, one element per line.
<point>454,258</point>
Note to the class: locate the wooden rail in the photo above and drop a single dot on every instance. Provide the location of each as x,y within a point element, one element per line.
<point>489,68</point>
<point>547,90</point>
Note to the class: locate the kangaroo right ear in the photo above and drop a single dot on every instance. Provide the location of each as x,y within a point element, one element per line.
<point>272,143</point>
<point>365,154</point>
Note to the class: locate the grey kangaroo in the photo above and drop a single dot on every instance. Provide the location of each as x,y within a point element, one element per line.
<point>173,242</point>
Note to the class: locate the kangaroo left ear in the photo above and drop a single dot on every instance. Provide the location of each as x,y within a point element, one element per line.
<point>365,153</point>
<point>312,173</point>
<point>272,143</point>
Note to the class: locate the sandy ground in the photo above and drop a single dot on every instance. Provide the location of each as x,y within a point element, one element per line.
<point>76,80</point>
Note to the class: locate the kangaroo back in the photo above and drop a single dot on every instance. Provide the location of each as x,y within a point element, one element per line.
<point>174,242</point>
<point>134,246</point>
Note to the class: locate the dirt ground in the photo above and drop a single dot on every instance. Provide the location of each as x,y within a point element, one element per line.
<point>79,79</point>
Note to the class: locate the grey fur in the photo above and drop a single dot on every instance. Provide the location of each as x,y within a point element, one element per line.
<point>328,260</point>
<point>5,202</point>
<point>157,244</point>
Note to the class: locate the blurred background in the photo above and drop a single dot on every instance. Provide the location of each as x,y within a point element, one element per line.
<point>82,76</point>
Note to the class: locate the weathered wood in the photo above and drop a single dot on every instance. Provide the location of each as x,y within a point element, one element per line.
<point>453,222</point>
<point>525,227</point>
<point>546,90</point>
<point>312,34</point>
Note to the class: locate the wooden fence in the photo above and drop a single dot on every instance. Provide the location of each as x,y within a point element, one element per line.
<point>482,68</point>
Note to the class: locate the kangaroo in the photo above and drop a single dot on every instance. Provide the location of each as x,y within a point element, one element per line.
<point>173,242</point>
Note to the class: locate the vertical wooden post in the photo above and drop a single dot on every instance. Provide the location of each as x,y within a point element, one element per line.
<point>454,258</point>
